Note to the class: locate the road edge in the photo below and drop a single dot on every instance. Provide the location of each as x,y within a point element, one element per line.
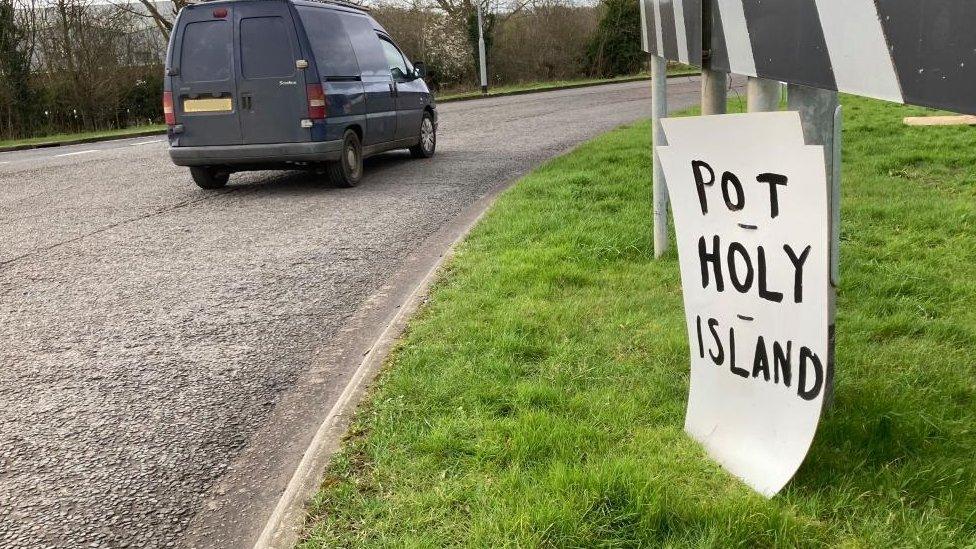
<point>284,526</point>
<point>148,133</point>
<point>626,80</point>
<point>80,141</point>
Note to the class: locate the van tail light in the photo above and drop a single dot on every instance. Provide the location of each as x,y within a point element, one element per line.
<point>316,101</point>
<point>168,111</point>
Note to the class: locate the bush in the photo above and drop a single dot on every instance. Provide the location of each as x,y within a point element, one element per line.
<point>615,47</point>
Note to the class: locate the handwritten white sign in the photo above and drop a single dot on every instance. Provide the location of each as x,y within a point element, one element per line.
<point>751,216</point>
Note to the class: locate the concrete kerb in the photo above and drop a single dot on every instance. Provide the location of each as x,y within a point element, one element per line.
<point>148,133</point>
<point>284,525</point>
<point>557,88</point>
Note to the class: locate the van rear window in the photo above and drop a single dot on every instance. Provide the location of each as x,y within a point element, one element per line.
<point>330,43</point>
<point>266,48</point>
<point>205,54</point>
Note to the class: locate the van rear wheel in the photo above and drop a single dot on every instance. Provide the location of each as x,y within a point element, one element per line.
<point>348,171</point>
<point>428,138</point>
<point>207,177</point>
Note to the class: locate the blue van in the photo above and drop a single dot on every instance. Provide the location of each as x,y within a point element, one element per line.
<point>290,84</point>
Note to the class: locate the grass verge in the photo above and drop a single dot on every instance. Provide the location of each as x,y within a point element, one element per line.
<point>68,138</point>
<point>538,399</point>
<point>527,87</point>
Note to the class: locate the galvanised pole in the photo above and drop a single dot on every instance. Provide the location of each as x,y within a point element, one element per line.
<point>820,113</point>
<point>659,111</point>
<point>714,91</point>
<point>763,95</point>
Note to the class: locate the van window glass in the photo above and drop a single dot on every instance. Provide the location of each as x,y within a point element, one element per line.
<point>266,48</point>
<point>369,53</point>
<point>398,67</point>
<point>330,44</point>
<point>205,53</point>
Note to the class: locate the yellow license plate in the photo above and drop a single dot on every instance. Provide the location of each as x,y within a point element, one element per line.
<point>222,104</point>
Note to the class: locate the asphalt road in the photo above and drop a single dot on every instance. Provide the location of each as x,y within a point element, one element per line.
<point>150,331</point>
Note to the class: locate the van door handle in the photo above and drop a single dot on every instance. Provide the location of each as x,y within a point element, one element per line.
<point>246,102</point>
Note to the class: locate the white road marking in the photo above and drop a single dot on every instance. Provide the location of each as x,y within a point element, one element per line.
<point>75,153</point>
<point>145,143</point>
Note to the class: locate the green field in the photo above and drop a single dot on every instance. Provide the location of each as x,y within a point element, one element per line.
<point>538,399</point>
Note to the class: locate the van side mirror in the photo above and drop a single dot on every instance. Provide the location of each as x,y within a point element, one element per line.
<point>419,69</point>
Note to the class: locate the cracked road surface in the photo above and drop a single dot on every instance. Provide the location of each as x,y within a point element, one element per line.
<point>151,332</point>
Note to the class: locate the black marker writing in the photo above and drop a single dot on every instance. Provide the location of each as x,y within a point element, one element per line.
<point>797,270</point>
<point>773,179</point>
<point>777,369</point>
<point>700,183</point>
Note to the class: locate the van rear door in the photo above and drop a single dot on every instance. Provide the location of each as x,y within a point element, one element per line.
<point>204,83</point>
<point>271,87</point>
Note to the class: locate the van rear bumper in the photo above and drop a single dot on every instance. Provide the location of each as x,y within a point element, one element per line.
<point>273,153</point>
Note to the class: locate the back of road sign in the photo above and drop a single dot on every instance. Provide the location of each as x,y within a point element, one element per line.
<point>907,51</point>
<point>672,29</point>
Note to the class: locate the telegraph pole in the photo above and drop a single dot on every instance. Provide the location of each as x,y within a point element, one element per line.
<point>481,53</point>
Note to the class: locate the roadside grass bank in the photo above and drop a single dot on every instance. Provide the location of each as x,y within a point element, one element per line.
<point>83,137</point>
<point>538,399</point>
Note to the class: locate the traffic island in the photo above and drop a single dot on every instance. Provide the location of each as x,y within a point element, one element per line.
<point>539,397</point>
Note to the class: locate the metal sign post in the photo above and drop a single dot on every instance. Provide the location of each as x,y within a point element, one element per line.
<point>714,94</point>
<point>762,95</point>
<point>820,113</point>
<point>659,111</point>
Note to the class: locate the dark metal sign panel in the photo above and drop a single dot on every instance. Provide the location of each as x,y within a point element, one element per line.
<point>672,29</point>
<point>921,52</point>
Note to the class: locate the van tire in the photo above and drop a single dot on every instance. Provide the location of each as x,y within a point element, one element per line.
<point>209,178</point>
<point>427,144</point>
<point>348,170</point>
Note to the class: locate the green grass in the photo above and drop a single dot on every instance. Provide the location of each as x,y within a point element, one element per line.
<point>69,137</point>
<point>542,86</point>
<point>538,399</point>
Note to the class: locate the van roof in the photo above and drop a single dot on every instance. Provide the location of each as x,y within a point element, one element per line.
<point>338,3</point>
